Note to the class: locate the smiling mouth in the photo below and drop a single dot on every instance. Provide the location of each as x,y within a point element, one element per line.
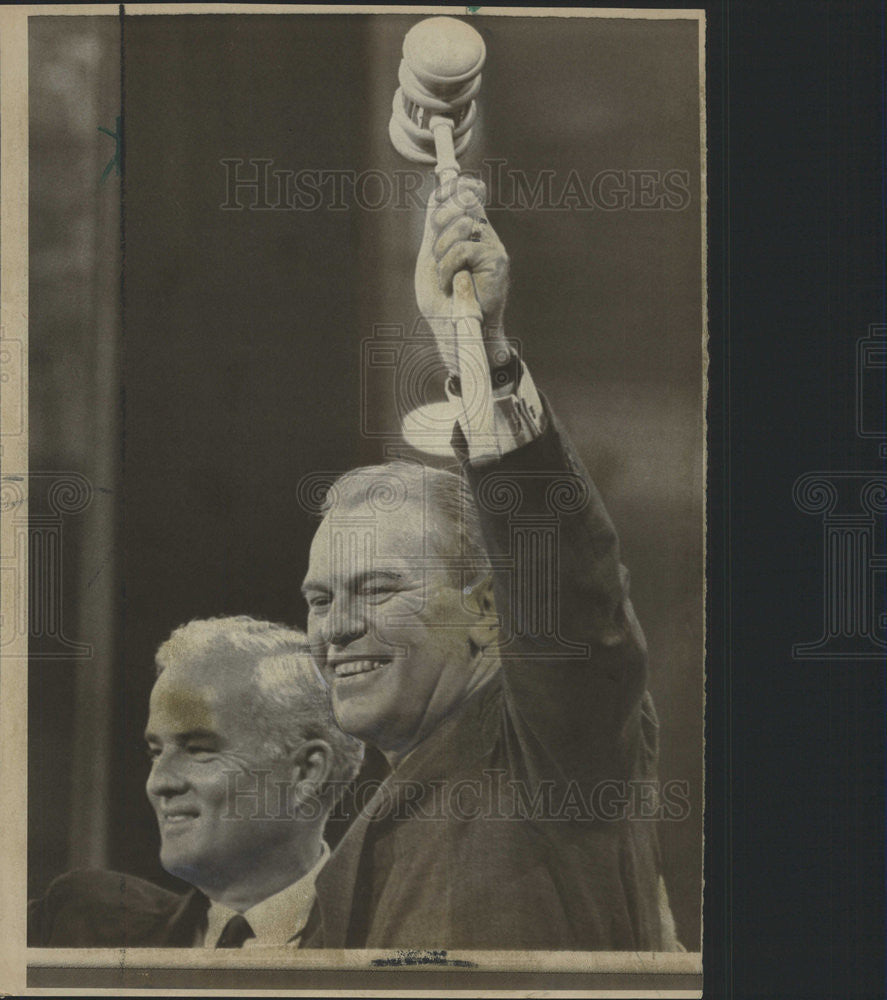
<point>174,819</point>
<point>350,668</point>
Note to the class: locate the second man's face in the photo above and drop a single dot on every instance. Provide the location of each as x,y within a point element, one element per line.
<point>209,772</point>
<point>387,624</point>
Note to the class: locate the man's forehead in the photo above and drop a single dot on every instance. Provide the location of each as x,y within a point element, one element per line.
<point>182,707</point>
<point>200,691</point>
<point>360,534</point>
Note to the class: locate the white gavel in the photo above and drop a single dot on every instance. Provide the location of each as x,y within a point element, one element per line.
<point>432,116</point>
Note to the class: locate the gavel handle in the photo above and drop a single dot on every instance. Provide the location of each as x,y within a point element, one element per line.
<point>467,318</point>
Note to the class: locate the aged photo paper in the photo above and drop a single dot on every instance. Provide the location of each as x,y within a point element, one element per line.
<point>353,499</point>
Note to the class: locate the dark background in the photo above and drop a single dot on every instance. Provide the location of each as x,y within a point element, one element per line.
<point>795,748</point>
<point>794,836</point>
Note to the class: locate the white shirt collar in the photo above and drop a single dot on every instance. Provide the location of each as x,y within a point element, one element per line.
<point>277,920</point>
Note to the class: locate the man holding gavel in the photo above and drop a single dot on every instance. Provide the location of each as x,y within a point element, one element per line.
<point>508,819</point>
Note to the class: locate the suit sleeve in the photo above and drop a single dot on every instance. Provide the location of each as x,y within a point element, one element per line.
<point>574,658</point>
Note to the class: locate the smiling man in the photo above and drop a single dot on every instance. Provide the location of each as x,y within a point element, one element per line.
<point>397,636</point>
<point>478,630</point>
<point>246,763</point>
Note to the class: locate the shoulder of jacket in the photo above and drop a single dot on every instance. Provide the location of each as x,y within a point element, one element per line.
<point>87,885</point>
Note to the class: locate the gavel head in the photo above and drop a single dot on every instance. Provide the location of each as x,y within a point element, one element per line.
<point>439,75</point>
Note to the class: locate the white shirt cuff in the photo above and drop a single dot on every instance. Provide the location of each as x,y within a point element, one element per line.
<point>517,418</point>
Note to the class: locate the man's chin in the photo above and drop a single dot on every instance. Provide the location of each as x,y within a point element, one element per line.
<point>171,863</point>
<point>362,721</point>
<point>179,863</point>
<point>356,710</point>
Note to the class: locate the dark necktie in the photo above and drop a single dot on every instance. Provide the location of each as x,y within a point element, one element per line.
<point>235,932</point>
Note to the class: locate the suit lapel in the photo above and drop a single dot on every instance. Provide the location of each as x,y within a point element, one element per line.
<point>336,881</point>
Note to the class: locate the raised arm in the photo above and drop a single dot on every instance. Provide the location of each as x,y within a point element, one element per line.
<point>573,654</point>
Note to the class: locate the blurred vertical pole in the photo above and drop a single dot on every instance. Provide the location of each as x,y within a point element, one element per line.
<point>75,417</point>
<point>98,585</point>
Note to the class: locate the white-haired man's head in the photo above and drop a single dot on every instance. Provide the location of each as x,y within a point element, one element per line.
<point>247,759</point>
<point>291,703</point>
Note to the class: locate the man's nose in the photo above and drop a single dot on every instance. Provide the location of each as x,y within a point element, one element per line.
<point>166,778</point>
<point>345,622</point>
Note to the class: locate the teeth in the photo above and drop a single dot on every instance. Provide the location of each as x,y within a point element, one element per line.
<point>357,667</point>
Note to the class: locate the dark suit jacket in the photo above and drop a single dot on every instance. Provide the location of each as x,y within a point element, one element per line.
<point>491,868</point>
<point>93,908</point>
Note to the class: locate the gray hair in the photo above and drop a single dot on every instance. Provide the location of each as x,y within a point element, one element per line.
<point>455,533</point>
<point>292,703</point>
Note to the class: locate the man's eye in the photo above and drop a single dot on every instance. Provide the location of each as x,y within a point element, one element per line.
<point>197,751</point>
<point>152,753</point>
<point>380,592</point>
<point>318,602</point>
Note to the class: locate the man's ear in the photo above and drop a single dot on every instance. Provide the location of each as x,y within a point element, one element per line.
<point>312,763</point>
<point>481,600</point>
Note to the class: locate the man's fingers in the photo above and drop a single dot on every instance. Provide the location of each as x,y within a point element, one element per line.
<point>466,205</point>
<point>463,256</point>
<point>457,238</point>
<point>461,187</point>
<point>461,196</point>
<point>459,229</point>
